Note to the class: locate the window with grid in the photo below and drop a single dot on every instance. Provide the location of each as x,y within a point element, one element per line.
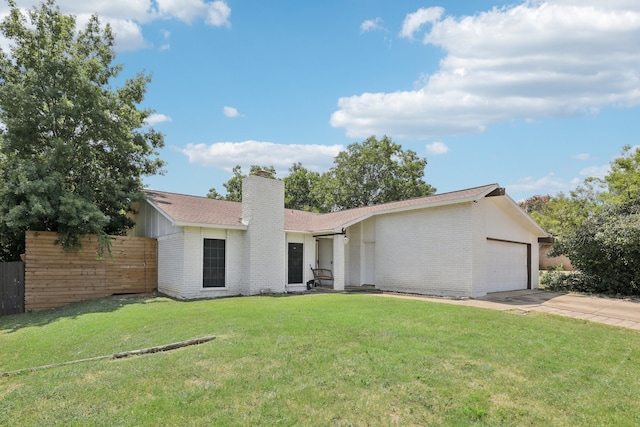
<point>213,270</point>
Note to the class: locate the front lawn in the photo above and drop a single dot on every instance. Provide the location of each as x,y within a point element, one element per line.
<point>315,360</point>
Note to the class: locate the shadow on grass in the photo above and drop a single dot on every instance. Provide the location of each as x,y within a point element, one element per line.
<point>522,297</point>
<point>14,322</point>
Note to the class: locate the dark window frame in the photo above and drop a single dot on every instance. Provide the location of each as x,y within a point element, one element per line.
<point>214,263</point>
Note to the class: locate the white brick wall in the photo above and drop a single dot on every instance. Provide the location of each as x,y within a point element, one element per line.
<point>171,264</point>
<point>425,251</point>
<point>353,255</point>
<point>480,259</point>
<point>255,259</point>
<point>235,283</point>
<point>263,212</point>
<point>180,260</point>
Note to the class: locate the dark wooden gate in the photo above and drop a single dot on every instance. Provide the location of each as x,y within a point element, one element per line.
<point>11,288</point>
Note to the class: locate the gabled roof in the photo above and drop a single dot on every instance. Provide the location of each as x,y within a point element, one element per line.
<point>184,210</point>
<point>337,220</point>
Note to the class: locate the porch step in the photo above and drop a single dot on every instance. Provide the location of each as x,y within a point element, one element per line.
<point>368,289</point>
<point>321,289</point>
<point>364,289</point>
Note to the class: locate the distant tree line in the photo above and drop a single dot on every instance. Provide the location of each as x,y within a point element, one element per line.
<point>368,173</point>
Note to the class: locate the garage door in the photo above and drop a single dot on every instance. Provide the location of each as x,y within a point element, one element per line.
<point>508,266</point>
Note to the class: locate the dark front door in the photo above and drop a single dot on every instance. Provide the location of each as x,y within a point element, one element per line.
<point>295,263</point>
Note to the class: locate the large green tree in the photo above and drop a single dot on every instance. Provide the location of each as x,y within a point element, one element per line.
<point>623,180</point>
<point>73,150</point>
<point>598,228</point>
<point>301,189</point>
<point>373,172</point>
<point>606,251</point>
<point>562,214</point>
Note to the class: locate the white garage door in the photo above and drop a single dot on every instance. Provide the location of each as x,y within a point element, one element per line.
<point>507,264</point>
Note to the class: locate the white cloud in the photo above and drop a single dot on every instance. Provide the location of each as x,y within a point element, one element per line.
<point>230,112</point>
<point>546,185</point>
<point>414,21</point>
<point>128,17</point>
<point>537,59</point>
<point>596,171</point>
<point>226,155</point>
<point>216,13</point>
<point>155,119</point>
<point>437,148</point>
<point>128,34</point>
<point>138,10</point>
<point>581,156</point>
<point>372,25</point>
<point>166,34</point>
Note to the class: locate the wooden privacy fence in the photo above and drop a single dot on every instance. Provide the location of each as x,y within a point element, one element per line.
<point>55,277</point>
<point>11,288</point>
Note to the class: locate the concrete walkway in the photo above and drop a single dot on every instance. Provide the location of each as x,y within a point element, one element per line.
<point>611,311</point>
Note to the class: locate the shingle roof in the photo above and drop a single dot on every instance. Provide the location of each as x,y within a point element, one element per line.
<point>182,209</point>
<point>194,210</point>
<point>339,219</point>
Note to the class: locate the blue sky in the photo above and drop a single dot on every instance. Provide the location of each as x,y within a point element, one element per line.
<point>535,96</point>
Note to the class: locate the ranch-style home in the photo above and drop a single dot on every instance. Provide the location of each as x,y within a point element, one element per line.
<point>464,243</point>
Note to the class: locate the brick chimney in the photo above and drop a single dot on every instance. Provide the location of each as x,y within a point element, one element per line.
<point>264,243</point>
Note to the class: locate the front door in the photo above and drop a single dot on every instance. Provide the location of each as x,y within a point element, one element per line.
<point>295,263</point>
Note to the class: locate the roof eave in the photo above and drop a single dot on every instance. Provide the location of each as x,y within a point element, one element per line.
<point>205,225</point>
<point>291,230</point>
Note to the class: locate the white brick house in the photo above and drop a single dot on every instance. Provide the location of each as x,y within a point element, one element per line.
<point>463,243</point>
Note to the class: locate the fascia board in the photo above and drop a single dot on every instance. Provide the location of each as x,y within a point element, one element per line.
<point>287,230</point>
<point>216,226</point>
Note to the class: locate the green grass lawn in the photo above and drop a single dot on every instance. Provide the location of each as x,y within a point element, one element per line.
<point>316,360</point>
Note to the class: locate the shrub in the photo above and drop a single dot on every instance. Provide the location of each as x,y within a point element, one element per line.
<point>558,281</point>
<point>606,251</point>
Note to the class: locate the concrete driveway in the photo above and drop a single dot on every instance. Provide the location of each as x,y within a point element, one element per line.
<point>611,311</point>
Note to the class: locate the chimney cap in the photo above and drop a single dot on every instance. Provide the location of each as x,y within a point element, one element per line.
<point>262,173</point>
